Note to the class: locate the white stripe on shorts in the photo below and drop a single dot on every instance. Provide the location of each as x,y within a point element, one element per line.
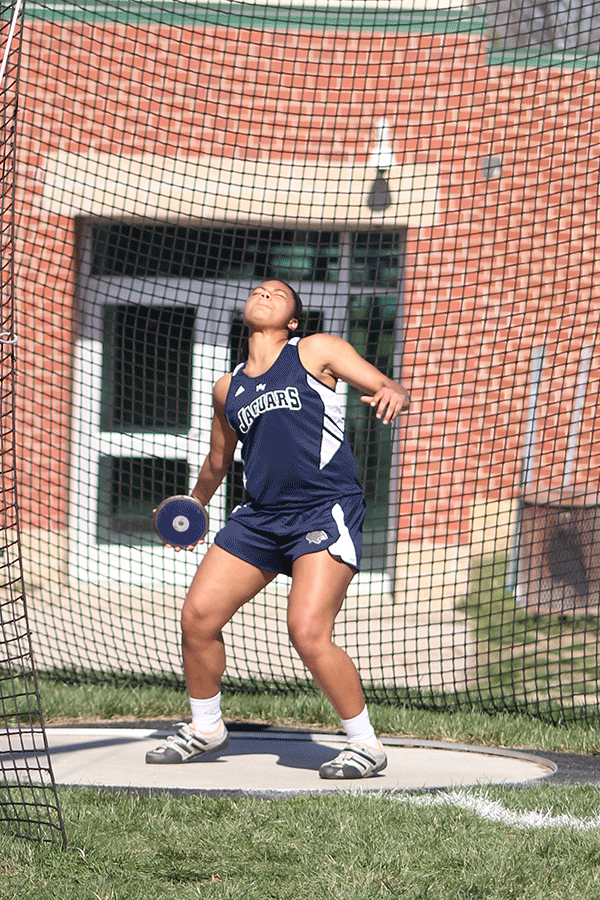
<point>344,546</point>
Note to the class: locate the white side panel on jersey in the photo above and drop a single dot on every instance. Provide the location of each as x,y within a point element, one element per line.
<point>333,420</point>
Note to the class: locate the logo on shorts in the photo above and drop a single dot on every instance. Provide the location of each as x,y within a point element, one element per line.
<point>316,537</point>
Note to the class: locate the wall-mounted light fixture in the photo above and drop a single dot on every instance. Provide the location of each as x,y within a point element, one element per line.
<point>382,159</point>
<point>491,167</point>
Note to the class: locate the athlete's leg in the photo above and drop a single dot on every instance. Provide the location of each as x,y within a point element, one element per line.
<point>319,585</point>
<point>221,585</point>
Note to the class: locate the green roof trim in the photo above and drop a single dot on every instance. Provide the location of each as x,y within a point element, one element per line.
<point>249,15</point>
<point>232,14</point>
<point>532,58</point>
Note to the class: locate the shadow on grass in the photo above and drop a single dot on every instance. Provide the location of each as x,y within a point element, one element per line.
<point>544,664</point>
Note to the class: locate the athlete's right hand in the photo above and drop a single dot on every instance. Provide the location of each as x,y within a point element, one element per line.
<point>189,547</point>
<point>177,549</point>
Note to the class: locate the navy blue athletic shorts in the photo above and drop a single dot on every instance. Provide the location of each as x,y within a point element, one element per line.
<point>273,540</point>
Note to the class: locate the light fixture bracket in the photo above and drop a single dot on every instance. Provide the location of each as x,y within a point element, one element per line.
<point>379,198</point>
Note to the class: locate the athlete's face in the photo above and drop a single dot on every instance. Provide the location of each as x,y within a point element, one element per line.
<point>271,303</point>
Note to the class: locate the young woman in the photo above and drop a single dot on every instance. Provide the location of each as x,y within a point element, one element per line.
<point>304,518</point>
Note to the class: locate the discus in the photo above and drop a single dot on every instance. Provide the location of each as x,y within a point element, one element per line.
<point>181,521</point>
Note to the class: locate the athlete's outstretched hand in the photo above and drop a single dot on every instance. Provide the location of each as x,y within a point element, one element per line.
<point>327,356</point>
<point>389,402</point>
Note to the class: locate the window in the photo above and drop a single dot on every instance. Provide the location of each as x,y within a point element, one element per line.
<point>130,488</point>
<point>161,320</point>
<point>175,251</point>
<point>147,368</point>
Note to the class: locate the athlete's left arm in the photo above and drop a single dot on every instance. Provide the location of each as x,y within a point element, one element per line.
<point>334,357</point>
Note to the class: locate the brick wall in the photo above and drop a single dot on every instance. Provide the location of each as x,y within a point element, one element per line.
<point>509,265</point>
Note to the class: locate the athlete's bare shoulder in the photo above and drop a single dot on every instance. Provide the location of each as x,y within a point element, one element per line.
<point>220,389</point>
<point>319,341</point>
<point>322,346</point>
<point>316,351</point>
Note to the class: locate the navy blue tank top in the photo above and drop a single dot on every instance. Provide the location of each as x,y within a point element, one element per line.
<point>291,427</point>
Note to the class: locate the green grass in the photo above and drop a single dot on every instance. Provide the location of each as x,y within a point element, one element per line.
<point>128,847</point>
<point>64,703</point>
<point>525,664</point>
<point>137,847</point>
<point>527,660</point>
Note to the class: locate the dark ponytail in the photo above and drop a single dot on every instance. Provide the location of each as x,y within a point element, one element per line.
<point>298,307</point>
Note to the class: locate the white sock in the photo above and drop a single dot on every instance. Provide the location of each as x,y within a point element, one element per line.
<point>359,729</point>
<point>206,714</point>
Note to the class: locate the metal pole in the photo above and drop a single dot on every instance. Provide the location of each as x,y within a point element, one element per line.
<point>578,405</point>
<point>535,373</point>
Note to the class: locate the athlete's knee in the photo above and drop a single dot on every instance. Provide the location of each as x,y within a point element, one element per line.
<point>308,636</point>
<point>198,621</point>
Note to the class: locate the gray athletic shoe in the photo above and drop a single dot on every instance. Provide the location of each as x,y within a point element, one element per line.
<point>355,761</point>
<point>187,743</point>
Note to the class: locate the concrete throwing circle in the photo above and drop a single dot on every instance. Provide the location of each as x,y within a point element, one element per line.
<point>271,763</point>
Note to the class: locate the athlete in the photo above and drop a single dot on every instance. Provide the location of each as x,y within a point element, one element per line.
<point>304,519</point>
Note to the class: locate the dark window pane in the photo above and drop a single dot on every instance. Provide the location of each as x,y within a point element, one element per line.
<point>375,260</point>
<point>372,324</point>
<point>235,492</point>
<point>130,488</point>
<point>147,368</point>
<point>238,254</point>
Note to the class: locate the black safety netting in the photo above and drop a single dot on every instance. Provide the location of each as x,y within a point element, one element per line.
<point>28,800</point>
<point>426,176</point>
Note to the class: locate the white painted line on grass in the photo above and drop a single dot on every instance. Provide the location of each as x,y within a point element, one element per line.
<point>494,811</point>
